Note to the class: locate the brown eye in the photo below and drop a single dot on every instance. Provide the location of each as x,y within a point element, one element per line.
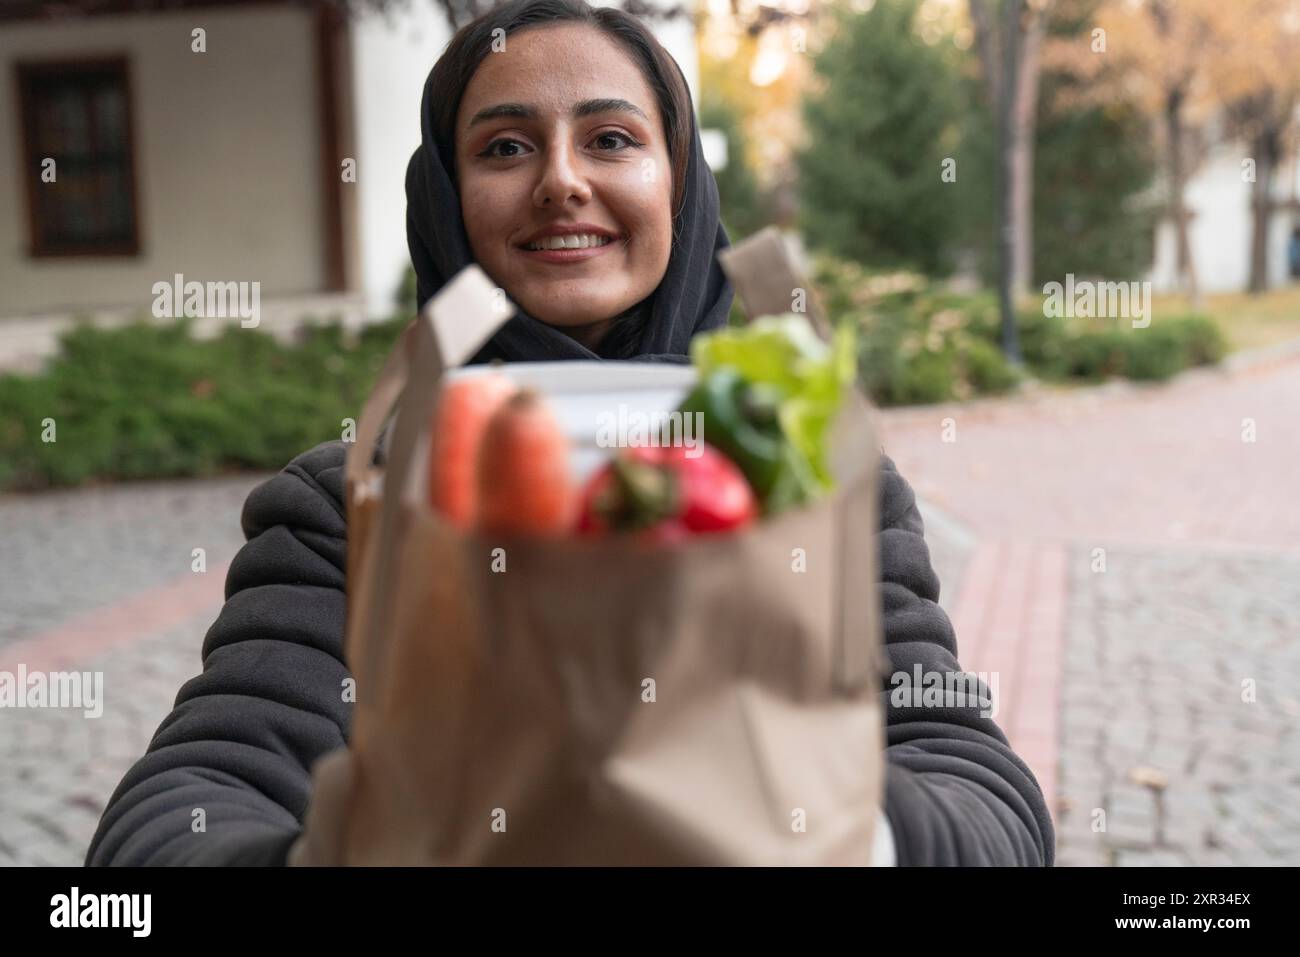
<point>488,152</point>
<point>617,136</point>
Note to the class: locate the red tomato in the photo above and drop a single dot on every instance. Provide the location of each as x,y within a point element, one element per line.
<point>666,493</point>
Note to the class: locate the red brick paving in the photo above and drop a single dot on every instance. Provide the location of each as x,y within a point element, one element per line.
<point>1010,620</point>
<point>137,618</point>
<point>1163,465</point>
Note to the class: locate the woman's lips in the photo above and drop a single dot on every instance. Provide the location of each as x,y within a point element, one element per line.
<point>568,255</point>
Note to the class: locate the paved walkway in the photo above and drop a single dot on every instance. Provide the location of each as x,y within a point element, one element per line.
<point>101,580</point>
<point>1122,559</point>
<point>1130,566</point>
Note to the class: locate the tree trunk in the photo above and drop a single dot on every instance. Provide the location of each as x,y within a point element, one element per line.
<point>1026,119</point>
<point>1177,187</point>
<point>988,45</point>
<point>1266,149</point>
<point>1010,152</point>
<point>1022,209</point>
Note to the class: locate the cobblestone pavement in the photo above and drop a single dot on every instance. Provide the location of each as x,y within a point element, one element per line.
<point>65,557</point>
<point>1181,708</point>
<point>61,767</point>
<point>69,552</point>
<point>1169,699</point>
<point>1165,732</point>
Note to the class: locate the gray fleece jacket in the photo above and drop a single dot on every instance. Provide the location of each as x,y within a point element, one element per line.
<point>244,734</point>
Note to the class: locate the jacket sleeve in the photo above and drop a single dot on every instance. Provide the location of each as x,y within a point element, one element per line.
<point>243,735</point>
<point>955,792</point>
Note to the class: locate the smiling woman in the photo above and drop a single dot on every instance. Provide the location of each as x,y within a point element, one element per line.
<point>560,152</point>
<point>585,172</point>
<point>545,122</point>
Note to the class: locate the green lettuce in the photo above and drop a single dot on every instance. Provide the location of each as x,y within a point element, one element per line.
<point>784,354</point>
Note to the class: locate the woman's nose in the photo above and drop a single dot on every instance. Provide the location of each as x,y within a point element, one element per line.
<point>561,177</point>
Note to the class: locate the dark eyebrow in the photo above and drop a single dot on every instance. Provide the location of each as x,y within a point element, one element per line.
<point>585,108</point>
<point>608,105</point>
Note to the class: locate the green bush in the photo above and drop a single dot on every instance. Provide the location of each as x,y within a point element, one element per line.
<point>1094,354</point>
<point>928,377</point>
<point>923,343</point>
<point>987,370</point>
<point>149,401</point>
<point>1157,352</point>
<point>1202,338</point>
<point>407,297</point>
<point>1042,343</point>
<point>920,345</point>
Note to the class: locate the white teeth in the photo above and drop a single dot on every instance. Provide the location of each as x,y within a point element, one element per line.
<point>575,241</point>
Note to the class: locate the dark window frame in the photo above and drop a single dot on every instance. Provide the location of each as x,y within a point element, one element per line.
<point>30,72</point>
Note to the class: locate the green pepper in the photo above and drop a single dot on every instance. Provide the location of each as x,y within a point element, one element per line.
<point>741,418</point>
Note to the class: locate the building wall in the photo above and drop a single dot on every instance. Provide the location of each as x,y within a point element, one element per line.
<point>392,56</point>
<point>1221,230</point>
<point>227,148</point>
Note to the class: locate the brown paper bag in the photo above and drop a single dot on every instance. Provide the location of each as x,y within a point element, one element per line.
<point>600,701</point>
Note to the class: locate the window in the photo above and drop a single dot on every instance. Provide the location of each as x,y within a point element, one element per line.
<point>78,114</point>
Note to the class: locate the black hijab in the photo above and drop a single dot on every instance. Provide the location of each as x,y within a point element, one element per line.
<point>693,295</point>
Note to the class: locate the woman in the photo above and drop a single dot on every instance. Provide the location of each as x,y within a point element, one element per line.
<point>578,120</point>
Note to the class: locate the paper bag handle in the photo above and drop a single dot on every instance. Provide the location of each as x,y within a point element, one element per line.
<point>452,327</point>
<point>388,386</point>
<point>767,278</point>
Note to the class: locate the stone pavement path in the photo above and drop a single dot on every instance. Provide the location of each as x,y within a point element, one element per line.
<point>1182,701</point>
<point>1130,566</point>
<point>61,767</point>
<point>1130,570</point>
<point>101,580</point>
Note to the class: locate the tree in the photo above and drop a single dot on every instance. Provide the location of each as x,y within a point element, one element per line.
<point>758,66</point>
<point>745,208</point>
<point>1009,39</point>
<point>1257,75</point>
<point>1093,164</point>
<point>1161,53</point>
<point>1094,168</point>
<point>879,130</point>
<point>1188,60</point>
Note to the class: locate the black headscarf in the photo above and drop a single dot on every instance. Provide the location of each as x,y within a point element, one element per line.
<point>693,295</point>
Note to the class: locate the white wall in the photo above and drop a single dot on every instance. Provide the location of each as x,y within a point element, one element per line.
<point>228,157</point>
<point>1222,227</point>
<point>392,57</point>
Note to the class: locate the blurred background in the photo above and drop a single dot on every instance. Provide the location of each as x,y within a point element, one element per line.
<point>1068,230</point>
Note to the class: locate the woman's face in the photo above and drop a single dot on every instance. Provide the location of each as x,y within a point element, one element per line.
<point>560,128</point>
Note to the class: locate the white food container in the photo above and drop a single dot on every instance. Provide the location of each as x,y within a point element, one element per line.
<point>594,400</point>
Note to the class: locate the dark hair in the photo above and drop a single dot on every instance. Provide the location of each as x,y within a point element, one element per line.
<point>472,43</point>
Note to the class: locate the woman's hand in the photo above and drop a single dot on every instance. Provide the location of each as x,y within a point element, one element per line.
<point>321,841</point>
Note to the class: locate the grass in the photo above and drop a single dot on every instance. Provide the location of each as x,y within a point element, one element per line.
<point>1248,322</point>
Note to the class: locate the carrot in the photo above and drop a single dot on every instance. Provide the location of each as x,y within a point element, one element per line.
<point>460,420</point>
<point>525,487</point>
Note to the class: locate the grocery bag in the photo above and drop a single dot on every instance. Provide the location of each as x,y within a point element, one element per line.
<point>604,701</point>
